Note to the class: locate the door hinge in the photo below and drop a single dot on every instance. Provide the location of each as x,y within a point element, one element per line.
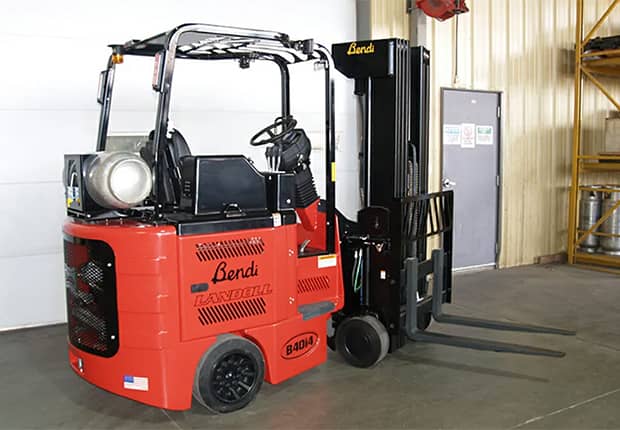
<point>499,111</point>
<point>497,181</point>
<point>496,249</point>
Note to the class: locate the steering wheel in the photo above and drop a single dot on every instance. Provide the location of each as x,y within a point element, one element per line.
<point>280,127</point>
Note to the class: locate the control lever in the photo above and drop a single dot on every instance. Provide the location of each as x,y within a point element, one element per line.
<point>304,244</point>
<point>273,154</point>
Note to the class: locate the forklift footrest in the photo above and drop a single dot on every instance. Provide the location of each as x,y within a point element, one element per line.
<point>481,344</point>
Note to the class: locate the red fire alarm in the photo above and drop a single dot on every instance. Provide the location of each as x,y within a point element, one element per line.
<point>442,9</point>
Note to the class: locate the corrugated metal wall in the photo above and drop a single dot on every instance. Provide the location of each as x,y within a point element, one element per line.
<point>388,18</point>
<point>525,49</point>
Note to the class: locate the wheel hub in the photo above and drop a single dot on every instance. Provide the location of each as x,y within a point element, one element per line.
<point>233,377</point>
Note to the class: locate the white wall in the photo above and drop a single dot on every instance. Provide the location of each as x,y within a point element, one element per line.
<point>52,53</point>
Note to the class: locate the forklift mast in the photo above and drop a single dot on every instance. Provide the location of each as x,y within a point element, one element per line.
<point>386,269</point>
<point>388,76</point>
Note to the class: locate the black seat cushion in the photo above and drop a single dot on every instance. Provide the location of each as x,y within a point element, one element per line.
<point>175,149</point>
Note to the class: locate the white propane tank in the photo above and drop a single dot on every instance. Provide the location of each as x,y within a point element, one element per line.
<point>611,244</point>
<point>119,180</point>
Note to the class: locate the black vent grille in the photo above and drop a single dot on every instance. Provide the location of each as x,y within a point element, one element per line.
<point>312,285</point>
<point>232,311</point>
<point>90,283</point>
<point>224,249</point>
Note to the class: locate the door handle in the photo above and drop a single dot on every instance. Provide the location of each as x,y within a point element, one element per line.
<point>447,183</point>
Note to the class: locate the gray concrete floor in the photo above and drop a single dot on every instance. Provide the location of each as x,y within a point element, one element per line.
<point>420,386</point>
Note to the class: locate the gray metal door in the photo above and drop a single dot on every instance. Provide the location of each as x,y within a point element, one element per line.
<point>470,167</point>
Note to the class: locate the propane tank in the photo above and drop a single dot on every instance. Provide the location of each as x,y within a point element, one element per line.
<point>611,245</point>
<point>589,214</point>
<point>118,180</point>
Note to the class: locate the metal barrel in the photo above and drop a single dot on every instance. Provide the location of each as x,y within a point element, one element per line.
<point>611,245</point>
<point>589,213</point>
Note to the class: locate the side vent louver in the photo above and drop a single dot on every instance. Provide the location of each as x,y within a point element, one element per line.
<point>312,285</point>
<point>225,312</point>
<point>223,249</point>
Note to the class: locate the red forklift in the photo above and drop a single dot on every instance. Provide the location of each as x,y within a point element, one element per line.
<point>201,275</point>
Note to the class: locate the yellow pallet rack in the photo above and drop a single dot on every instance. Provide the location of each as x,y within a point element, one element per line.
<point>587,66</point>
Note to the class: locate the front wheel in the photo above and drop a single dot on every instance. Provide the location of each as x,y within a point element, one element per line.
<point>229,374</point>
<point>362,341</point>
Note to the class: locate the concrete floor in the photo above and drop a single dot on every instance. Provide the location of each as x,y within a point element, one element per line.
<point>420,386</point>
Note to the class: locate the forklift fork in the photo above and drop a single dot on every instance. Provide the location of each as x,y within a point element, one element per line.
<point>418,271</point>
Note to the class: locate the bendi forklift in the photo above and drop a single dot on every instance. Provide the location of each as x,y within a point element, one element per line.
<point>203,275</point>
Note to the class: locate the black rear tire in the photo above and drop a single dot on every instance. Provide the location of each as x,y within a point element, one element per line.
<point>362,341</point>
<point>229,374</point>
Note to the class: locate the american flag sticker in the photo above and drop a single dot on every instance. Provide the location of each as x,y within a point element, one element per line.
<point>135,383</point>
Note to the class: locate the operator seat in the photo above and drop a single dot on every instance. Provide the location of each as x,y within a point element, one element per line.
<point>175,149</point>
